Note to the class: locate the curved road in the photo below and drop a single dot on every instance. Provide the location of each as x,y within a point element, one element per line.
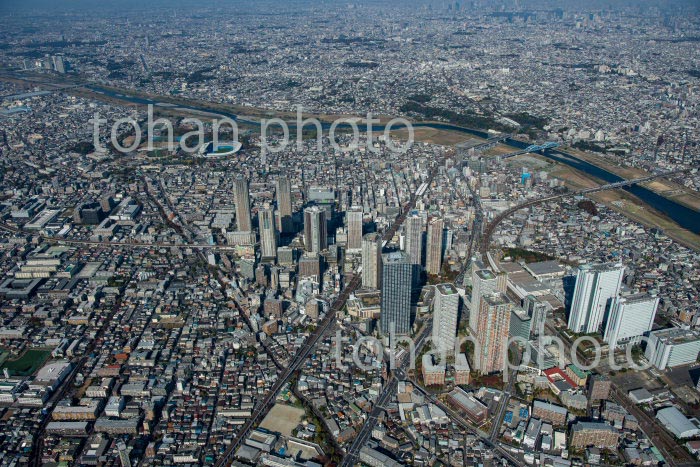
<point>491,227</point>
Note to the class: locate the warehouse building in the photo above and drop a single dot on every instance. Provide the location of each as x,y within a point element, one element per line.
<point>681,426</point>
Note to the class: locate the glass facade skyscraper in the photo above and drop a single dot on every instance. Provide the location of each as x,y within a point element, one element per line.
<point>397,277</point>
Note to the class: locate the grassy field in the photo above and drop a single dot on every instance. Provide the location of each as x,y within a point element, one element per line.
<point>498,150</point>
<point>434,136</point>
<point>29,362</point>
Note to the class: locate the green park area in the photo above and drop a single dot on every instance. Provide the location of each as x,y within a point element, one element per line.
<point>26,364</point>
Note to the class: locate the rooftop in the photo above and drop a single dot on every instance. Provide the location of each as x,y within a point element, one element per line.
<point>498,298</point>
<point>545,267</point>
<point>485,274</point>
<point>676,335</point>
<point>396,257</point>
<point>446,289</point>
<point>583,426</point>
<point>601,267</point>
<point>551,407</point>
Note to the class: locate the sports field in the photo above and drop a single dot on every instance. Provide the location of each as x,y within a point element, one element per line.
<point>28,363</point>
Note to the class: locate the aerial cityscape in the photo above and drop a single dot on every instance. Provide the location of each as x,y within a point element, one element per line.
<point>350,233</point>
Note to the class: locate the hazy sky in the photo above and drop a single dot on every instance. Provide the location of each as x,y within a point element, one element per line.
<point>7,6</point>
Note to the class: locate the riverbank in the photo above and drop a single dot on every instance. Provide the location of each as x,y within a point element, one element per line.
<point>624,203</point>
<point>662,186</point>
<point>643,204</point>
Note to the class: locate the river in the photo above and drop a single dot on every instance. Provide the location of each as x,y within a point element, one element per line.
<point>682,215</point>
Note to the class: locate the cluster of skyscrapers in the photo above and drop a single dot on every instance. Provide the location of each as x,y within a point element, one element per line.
<point>398,275</point>
<point>599,305</point>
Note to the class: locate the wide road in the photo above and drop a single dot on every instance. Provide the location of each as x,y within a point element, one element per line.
<point>387,394</point>
<point>474,236</point>
<point>361,439</point>
<point>264,407</point>
<point>503,405</point>
<point>390,388</point>
<point>467,426</point>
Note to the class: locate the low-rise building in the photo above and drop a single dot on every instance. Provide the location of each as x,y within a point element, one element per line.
<point>462,370</point>
<point>601,435</point>
<point>599,388</point>
<point>549,412</point>
<point>577,375</point>
<point>677,423</point>
<point>475,410</point>
<point>433,375</point>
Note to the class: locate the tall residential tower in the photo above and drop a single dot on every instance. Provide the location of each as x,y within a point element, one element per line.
<point>353,220</point>
<point>371,261</point>
<point>433,255</point>
<point>414,238</point>
<point>630,317</point>
<point>268,233</point>
<point>396,293</point>
<point>242,199</point>
<point>445,310</point>
<point>315,229</point>
<point>492,333</point>
<point>596,285</point>
<point>483,282</point>
<point>284,205</point>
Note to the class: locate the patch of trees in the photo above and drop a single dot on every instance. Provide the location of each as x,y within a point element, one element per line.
<point>587,146</point>
<point>526,119</point>
<point>368,65</point>
<point>526,255</point>
<point>469,120</point>
<point>588,206</point>
<point>420,98</point>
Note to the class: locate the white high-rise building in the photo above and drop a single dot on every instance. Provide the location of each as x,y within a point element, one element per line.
<point>372,261</point>
<point>596,285</point>
<point>414,238</point>
<point>483,282</point>
<point>672,347</point>
<point>354,226</point>
<point>268,233</point>
<point>445,310</point>
<point>537,311</point>
<point>629,318</point>
<point>433,255</point>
